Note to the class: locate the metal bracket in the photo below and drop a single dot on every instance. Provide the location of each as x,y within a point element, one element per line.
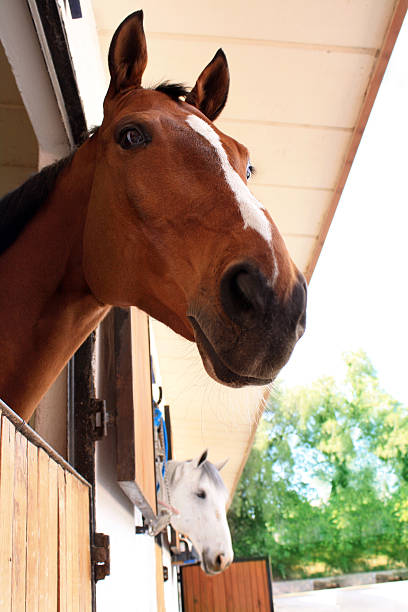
<point>101,556</point>
<point>100,418</point>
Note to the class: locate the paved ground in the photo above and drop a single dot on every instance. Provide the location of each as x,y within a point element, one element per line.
<point>387,597</point>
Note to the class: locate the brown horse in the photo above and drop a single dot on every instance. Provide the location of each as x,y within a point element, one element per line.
<point>153,210</point>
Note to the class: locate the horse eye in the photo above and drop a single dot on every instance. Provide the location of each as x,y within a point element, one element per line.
<point>132,137</point>
<point>250,170</point>
<point>201,494</point>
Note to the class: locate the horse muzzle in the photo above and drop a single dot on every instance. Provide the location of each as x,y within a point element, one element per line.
<point>217,564</point>
<point>261,330</point>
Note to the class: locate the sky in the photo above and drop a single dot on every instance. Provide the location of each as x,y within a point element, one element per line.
<point>358,295</point>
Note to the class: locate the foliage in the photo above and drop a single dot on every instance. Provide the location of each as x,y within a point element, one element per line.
<point>326,483</point>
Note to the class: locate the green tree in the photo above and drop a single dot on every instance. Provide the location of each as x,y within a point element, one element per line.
<point>326,481</point>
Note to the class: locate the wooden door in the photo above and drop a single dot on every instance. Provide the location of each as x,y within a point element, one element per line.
<point>45,553</point>
<point>244,587</point>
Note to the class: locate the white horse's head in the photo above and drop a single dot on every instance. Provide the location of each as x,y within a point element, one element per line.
<point>197,491</point>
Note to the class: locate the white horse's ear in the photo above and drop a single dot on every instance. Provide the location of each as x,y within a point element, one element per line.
<point>200,460</point>
<point>221,464</point>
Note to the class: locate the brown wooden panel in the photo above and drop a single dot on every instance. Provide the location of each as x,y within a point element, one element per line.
<point>263,583</point>
<point>241,584</point>
<point>69,508</point>
<point>256,571</point>
<point>43,535</point>
<point>7,442</point>
<point>219,596</point>
<point>135,448</point>
<point>142,394</point>
<point>19,523</point>
<point>53,535</point>
<point>85,549</point>
<point>244,587</point>
<point>72,511</point>
<point>45,556</point>
<point>188,594</point>
<point>32,529</point>
<point>62,543</point>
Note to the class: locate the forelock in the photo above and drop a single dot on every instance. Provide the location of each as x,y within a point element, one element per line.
<point>209,470</point>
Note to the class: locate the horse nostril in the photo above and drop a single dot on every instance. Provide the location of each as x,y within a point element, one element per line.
<point>220,562</point>
<point>243,293</point>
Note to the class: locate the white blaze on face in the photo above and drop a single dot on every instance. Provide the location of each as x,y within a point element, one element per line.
<point>251,210</point>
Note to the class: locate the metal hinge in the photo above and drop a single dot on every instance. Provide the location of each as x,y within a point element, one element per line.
<point>100,418</point>
<point>100,556</point>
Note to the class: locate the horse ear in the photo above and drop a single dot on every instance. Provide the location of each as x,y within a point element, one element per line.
<point>221,464</point>
<point>127,57</point>
<point>201,459</point>
<point>210,92</point>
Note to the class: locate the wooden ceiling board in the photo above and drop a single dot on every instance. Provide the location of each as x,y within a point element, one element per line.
<point>357,23</point>
<point>270,83</point>
<point>295,211</point>
<point>300,248</point>
<point>292,156</point>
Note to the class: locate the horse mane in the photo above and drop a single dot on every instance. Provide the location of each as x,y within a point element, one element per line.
<point>18,207</point>
<point>175,91</point>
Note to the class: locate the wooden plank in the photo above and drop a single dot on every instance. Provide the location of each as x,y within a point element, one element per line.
<point>19,524</point>
<point>32,529</point>
<point>73,527</point>
<point>240,586</point>
<point>195,583</point>
<point>207,587</point>
<point>220,600</point>
<point>230,591</point>
<point>43,535</point>
<point>256,586</point>
<point>84,549</point>
<point>263,585</point>
<point>143,417</point>
<point>53,535</point>
<point>69,541</point>
<point>62,542</point>
<point>7,442</point>
<point>135,449</point>
<point>125,453</point>
<point>161,607</point>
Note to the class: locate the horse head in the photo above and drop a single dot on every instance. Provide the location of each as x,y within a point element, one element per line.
<point>196,489</point>
<point>173,228</point>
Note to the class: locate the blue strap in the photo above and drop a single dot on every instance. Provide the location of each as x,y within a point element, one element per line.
<point>158,420</point>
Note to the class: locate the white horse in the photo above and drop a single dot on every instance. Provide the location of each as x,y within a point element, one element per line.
<point>196,495</point>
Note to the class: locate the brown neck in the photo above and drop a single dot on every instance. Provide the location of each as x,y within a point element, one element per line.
<point>46,307</point>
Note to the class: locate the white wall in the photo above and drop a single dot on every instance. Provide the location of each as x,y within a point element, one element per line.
<point>131,585</point>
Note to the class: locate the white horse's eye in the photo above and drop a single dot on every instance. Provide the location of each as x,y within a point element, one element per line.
<point>201,494</point>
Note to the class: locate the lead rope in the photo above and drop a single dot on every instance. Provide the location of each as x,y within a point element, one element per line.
<point>164,517</point>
